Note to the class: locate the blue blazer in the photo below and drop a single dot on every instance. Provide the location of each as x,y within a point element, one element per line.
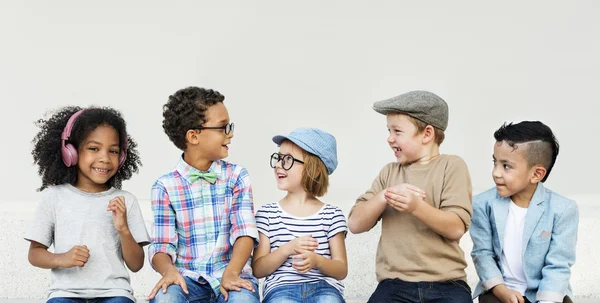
<point>549,239</point>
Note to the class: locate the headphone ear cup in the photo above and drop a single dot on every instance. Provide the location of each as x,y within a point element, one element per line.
<point>122,158</point>
<point>69,155</point>
<point>123,154</point>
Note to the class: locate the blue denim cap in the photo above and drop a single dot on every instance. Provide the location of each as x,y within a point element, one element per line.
<point>315,141</point>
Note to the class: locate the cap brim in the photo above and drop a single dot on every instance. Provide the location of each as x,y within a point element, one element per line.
<point>279,138</point>
<point>388,106</point>
<point>387,111</point>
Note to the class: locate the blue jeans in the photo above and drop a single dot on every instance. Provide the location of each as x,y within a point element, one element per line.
<point>94,300</point>
<point>315,292</point>
<point>203,292</point>
<point>488,297</point>
<point>396,290</point>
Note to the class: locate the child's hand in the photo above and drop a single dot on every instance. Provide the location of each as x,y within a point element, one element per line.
<point>507,295</point>
<point>404,197</point>
<point>307,260</point>
<point>76,256</point>
<point>119,213</point>
<point>305,242</point>
<point>231,282</point>
<point>172,276</point>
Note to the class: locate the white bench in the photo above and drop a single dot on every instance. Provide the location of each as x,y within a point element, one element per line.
<point>20,280</point>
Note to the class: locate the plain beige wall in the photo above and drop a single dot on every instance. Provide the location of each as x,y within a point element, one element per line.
<point>322,64</point>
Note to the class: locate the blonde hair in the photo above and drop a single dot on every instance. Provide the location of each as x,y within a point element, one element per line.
<point>420,125</point>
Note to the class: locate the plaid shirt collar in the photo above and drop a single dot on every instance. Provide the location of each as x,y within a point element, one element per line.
<point>184,169</point>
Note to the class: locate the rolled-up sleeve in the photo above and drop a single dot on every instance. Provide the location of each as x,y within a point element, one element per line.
<point>164,233</point>
<point>241,213</point>
<point>456,195</point>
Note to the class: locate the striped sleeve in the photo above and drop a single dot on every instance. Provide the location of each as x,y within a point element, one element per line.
<point>262,221</point>
<point>337,223</point>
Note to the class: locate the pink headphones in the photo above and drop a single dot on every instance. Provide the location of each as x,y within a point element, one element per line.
<point>69,152</point>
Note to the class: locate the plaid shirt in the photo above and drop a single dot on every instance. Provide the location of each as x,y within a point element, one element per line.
<point>197,223</point>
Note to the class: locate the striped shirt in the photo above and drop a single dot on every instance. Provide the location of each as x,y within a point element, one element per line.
<point>281,227</point>
<point>197,223</point>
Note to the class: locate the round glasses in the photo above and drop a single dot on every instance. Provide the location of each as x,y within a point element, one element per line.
<point>287,161</point>
<point>228,128</point>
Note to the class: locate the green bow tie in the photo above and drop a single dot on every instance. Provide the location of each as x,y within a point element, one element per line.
<point>208,176</point>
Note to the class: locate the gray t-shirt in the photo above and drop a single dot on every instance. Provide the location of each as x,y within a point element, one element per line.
<point>67,216</point>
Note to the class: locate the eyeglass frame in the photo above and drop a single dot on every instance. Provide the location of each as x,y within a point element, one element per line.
<point>224,128</point>
<point>281,157</point>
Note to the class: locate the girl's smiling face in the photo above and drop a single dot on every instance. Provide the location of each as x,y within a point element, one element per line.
<point>289,180</point>
<point>98,159</point>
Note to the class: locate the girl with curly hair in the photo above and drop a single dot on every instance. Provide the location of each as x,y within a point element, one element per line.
<point>95,227</point>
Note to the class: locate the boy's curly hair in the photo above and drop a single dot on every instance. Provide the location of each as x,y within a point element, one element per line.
<point>185,110</point>
<point>47,144</point>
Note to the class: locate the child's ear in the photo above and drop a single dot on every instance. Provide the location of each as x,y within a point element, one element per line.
<point>428,134</point>
<point>191,136</point>
<point>539,172</point>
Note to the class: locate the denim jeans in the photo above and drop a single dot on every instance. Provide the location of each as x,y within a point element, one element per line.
<point>396,290</point>
<point>488,297</point>
<point>202,292</point>
<point>310,292</point>
<point>94,300</point>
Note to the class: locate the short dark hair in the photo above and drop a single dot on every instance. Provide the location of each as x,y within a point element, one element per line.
<point>542,146</point>
<point>185,110</point>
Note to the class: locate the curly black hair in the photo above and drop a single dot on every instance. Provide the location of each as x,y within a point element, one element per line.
<point>542,146</point>
<point>185,110</point>
<point>47,144</point>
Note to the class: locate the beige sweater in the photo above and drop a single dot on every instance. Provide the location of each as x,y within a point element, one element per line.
<point>408,249</point>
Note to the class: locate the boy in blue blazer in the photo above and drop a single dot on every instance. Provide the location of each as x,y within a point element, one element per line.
<point>524,234</point>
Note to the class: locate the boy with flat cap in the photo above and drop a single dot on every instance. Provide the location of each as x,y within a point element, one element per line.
<point>424,202</point>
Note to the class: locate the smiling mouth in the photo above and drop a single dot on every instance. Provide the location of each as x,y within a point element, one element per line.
<point>281,176</point>
<point>102,171</point>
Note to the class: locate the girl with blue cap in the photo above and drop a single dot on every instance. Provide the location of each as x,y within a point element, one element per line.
<point>302,251</point>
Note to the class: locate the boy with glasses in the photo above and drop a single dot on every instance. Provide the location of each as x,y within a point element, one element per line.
<point>204,226</point>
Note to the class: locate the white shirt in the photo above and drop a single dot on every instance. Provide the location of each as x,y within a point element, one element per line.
<point>512,253</point>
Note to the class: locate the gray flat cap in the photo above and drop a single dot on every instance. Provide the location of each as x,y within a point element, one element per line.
<point>421,105</point>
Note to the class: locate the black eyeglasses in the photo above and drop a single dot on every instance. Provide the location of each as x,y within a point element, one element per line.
<point>287,161</point>
<point>228,128</point>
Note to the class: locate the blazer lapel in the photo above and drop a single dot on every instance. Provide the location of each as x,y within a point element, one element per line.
<point>534,214</point>
<point>500,210</point>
